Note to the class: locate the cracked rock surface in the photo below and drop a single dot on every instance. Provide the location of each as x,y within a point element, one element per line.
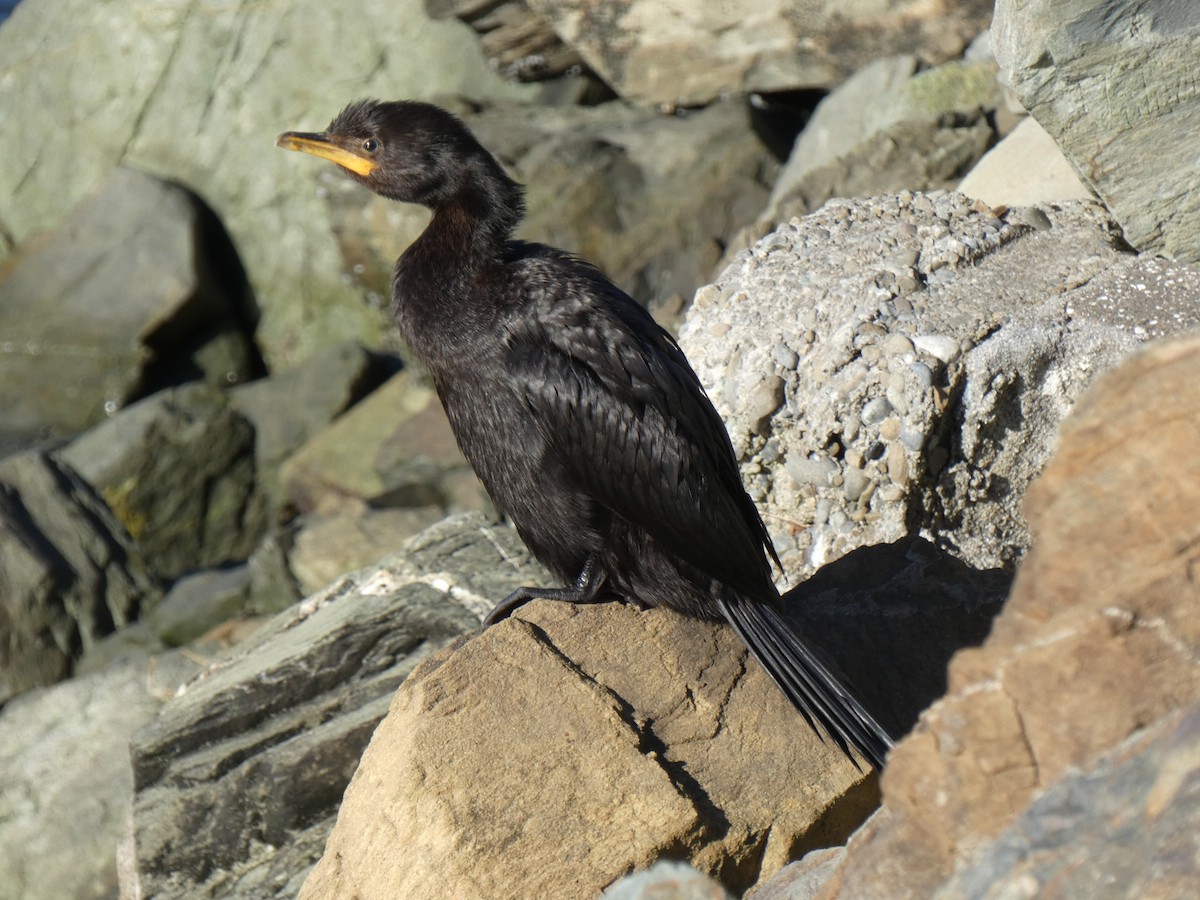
<point>661,731</point>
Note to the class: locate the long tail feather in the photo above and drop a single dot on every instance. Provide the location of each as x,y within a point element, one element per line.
<point>806,681</point>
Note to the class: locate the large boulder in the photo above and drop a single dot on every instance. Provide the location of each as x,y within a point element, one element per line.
<point>689,53</point>
<point>1129,826</point>
<point>196,92</point>
<point>69,574</point>
<point>902,363</point>
<point>653,730</point>
<point>1099,639</point>
<point>1114,83</point>
<point>136,289</point>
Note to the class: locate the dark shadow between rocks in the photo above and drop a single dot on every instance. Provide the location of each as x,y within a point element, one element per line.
<point>219,323</point>
<point>892,615</point>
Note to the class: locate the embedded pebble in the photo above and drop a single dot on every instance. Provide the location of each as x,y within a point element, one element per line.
<point>897,345</point>
<point>939,346</point>
<point>817,471</point>
<point>875,411</point>
<point>854,482</point>
<point>785,355</point>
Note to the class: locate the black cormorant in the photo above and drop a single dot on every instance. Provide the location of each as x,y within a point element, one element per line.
<point>581,416</point>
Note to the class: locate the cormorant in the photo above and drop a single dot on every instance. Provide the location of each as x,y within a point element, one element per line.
<point>581,416</point>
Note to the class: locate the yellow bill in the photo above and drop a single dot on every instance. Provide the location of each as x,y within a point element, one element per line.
<point>323,146</point>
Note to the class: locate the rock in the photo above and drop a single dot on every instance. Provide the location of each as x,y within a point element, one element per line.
<point>199,602</point>
<point>68,572</point>
<point>690,53</point>
<point>667,881</point>
<point>1114,85</point>
<point>890,125</point>
<point>1098,640</point>
<point>395,449</point>
<point>131,291</point>
<point>195,92</point>
<point>1023,169</point>
<point>679,751</point>
<point>178,470</point>
<point>516,40</point>
<point>1127,827</point>
<point>802,879</point>
<point>64,798</point>
<point>351,537</point>
<point>947,440</point>
<point>289,408</point>
<point>238,778</point>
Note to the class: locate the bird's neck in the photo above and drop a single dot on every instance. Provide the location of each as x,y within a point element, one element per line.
<point>436,293</point>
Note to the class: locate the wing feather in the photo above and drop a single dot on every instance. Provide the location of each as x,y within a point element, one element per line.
<point>621,407</point>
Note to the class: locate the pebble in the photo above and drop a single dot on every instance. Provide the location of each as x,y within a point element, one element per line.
<point>897,345</point>
<point>875,411</point>
<point>816,471</point>
<point>854,482</point>
<point>939,346</point>
<point>785,356</point>
<point>765,399</point>
<point>923,374</point>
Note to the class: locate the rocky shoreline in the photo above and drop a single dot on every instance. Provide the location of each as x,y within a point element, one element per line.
<point>242,562</point>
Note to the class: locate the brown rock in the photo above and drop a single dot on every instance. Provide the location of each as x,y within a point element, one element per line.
<point>1099,639</point>
<point>541,760</point>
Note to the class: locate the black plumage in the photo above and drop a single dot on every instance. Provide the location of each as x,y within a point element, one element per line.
<point>581,416</point>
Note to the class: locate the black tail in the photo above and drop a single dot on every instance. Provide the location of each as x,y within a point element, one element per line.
<point>806,681</point>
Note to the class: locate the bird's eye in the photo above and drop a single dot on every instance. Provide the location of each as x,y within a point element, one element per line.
<point>370,145</point>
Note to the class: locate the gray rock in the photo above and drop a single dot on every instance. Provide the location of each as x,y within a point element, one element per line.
<point>196,93</point>
<point>125,294</point>
<point>69,573</point>
<point>289,408</point>
<point>64,798</point>
<point>1128,827</point>
<point>239,777</point>
<point>178,470</point>
<point>967,431</point>
<point>199,602</point>
<point>802,880</point>
<point>1113,83</point>
<point>667,881</point>
<point>889,126</point>
<point>393,450</point>
<point>1026,167</point>
<point>690,53</point>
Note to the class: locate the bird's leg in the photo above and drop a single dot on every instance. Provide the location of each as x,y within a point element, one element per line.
<point>586,589</point>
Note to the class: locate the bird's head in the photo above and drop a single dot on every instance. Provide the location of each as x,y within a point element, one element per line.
<point>404,150</point>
